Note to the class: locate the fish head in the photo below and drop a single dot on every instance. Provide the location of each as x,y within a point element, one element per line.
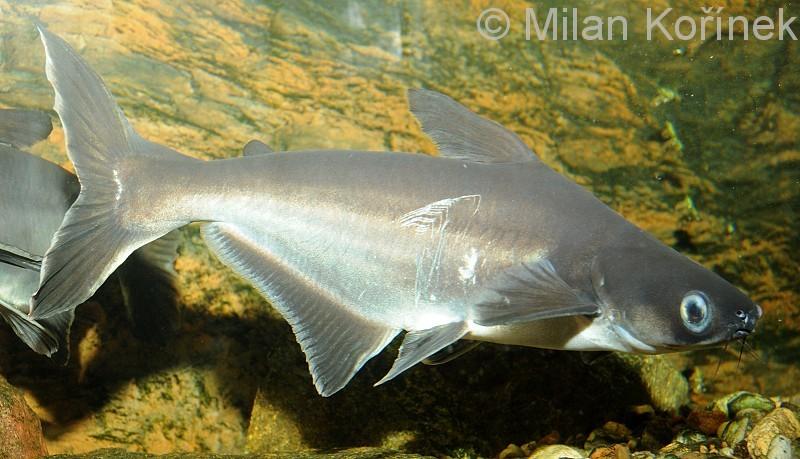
<point>663,301</point>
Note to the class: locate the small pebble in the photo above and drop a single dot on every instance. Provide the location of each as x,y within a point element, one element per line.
<point>734,432</point>
<point>512,451</point>
<point>550,439</point>
<point>780,448</point>
<point>558,452</point>
<point>780,422</point>
<point>690,437</point>
<point>705,421</point>
<point>643,410</point>
<point>738,401</point>
<point>613,452</point>
<point>617,431</point>
<point>529,448</point>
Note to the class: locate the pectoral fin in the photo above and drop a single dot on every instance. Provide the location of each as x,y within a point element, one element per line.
<point>590,358</point>
<point>530,291</point>
<point>451,352</point>
<point>420,344</point>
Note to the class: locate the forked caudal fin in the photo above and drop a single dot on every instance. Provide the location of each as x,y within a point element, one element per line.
<point>93,239</point>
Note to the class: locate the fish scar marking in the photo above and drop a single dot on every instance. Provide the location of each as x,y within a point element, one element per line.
<point>426,217</point>
<point>467,271</point>
<point>434,219</point>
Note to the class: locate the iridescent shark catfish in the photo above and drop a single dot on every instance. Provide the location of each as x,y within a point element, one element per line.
<point>34,196</point>
<point>483,242</point>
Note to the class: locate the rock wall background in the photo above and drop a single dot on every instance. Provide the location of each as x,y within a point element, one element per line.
<point>696,142</point>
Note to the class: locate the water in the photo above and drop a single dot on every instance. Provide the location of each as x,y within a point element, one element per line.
<point>695,141</point>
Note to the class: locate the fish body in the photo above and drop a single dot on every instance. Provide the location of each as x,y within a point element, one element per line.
<point>418,273</point>
<point>484,242</point>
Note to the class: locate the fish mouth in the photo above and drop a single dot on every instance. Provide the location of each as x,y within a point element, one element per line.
<point>741,333</point>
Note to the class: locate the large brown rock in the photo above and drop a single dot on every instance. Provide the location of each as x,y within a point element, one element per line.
<point>20,430</point>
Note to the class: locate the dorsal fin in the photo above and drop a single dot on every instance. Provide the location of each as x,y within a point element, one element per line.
<point>336,341</point>
<point>255,148</point>
<point>460,133</point>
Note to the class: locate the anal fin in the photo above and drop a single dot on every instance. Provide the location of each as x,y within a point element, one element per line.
<point>337,342</point>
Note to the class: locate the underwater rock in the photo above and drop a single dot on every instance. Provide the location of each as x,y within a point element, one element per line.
<point>706,421</point>
<point>20,429</point>
<point>667,388</point>
<point>742,400</point>
<point>558,452</point>
<point>770,434</point>
<point>437,408</point>
<point>355,453</point>
<point>611,452</point>
<point>609,434</point>
<point>512,451</point>
<point>751,433</point>
<point>780,448</point>
<point>690,437</point>
<point>678,449</point>
<point>735,432</point>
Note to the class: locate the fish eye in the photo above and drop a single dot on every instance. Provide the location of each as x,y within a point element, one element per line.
<point>695,311</point>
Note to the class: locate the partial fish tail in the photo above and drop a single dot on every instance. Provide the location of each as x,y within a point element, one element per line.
<point>44,336</point>
<point>95,236</point>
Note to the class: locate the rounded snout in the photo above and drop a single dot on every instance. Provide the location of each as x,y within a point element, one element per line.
<point>747,321</point>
